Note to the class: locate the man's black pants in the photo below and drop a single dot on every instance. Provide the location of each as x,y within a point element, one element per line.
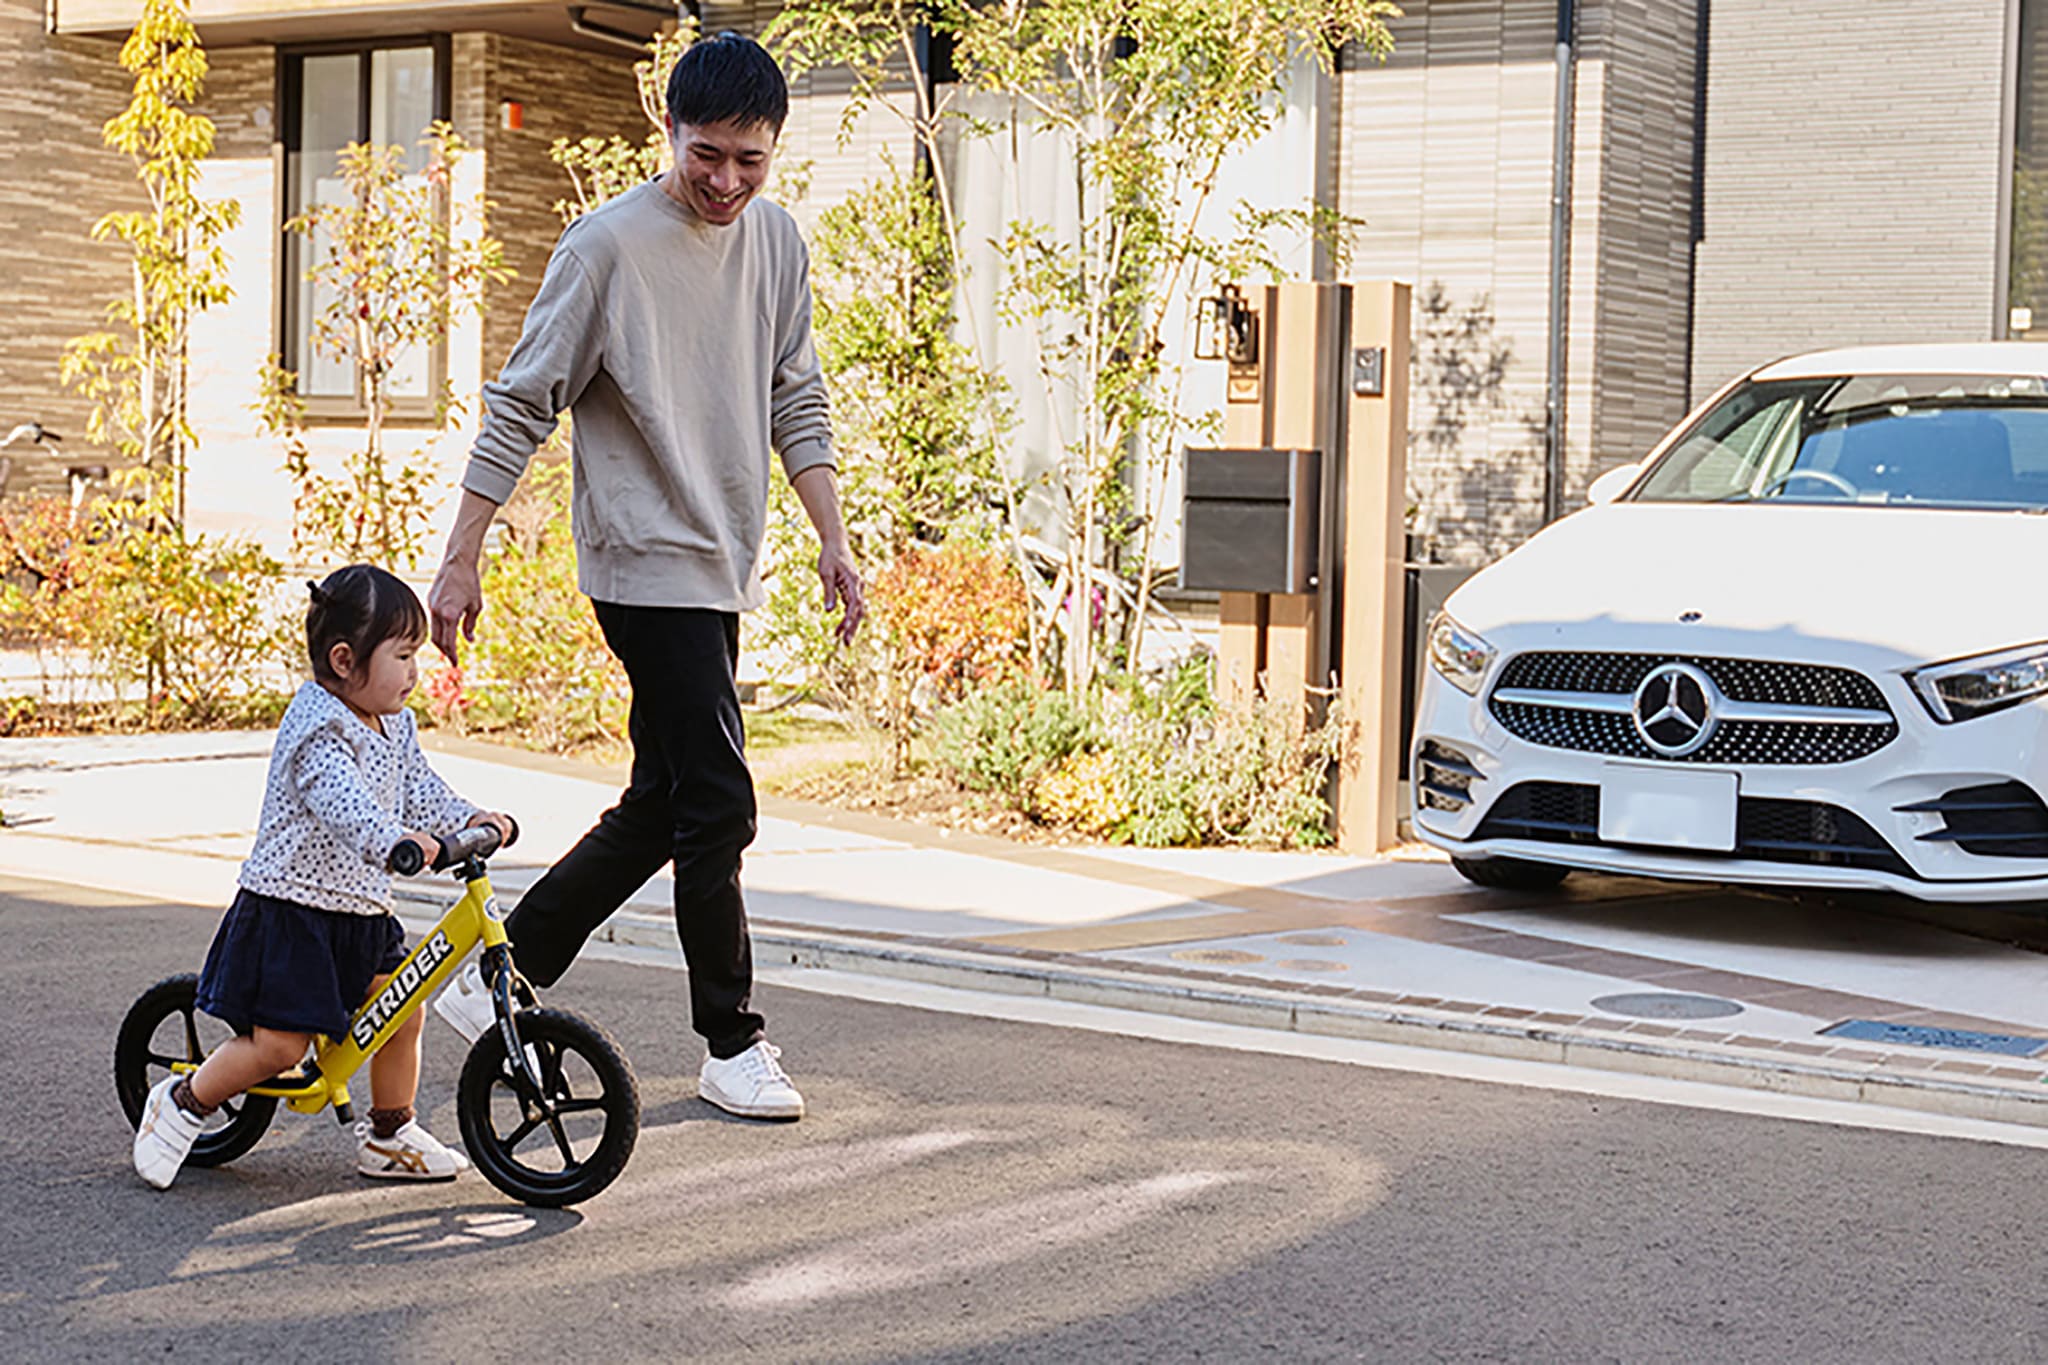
<point>690,800</point>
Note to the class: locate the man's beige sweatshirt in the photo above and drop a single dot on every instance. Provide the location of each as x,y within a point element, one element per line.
<point>683,351</point>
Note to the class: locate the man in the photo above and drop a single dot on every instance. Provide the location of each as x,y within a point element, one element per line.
<point>675,324</point>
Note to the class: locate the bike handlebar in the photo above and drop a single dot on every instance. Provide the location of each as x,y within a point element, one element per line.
<point>477,841</point>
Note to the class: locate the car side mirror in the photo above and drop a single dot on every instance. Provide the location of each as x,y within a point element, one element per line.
<point>1611,485</point>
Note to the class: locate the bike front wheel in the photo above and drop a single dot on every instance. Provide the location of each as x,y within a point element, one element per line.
<point>569,1141</point>
<point>164,1027</point>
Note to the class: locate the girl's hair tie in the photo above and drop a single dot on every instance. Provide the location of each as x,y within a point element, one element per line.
<point>319,597</point>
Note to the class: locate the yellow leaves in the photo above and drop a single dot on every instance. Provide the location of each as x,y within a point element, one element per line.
<point>1084,792</point>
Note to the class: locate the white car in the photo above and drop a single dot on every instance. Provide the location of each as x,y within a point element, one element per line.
<point>1804,643</point>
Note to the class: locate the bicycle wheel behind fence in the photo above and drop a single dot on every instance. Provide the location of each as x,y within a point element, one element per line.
<point>164,1026</point>
<point>576,1142</point>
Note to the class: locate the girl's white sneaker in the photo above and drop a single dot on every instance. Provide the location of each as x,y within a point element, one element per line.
<point>164,1137</point>
<point>411,1153</point>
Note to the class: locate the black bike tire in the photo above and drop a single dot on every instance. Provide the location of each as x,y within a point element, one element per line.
<point>485,1066</point>
<point>132,1081</point>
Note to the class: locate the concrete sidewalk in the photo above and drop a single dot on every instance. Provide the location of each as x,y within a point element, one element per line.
<point>1699,984</point>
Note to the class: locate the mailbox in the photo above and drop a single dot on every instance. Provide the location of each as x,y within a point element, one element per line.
<point>1251,520</point>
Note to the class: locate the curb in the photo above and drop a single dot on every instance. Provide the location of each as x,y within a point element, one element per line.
<point>1869,1081</point>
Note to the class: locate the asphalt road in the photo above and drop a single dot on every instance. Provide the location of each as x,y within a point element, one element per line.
<point>970,1189</point>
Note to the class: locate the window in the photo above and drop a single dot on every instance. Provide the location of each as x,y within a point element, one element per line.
<point>1950,440</point>
<point>387,93</point>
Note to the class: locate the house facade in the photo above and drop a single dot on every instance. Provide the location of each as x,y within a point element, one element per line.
<point>1740,179</point>
<point>288,86</point>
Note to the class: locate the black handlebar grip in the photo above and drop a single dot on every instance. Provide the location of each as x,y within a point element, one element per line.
<point>405,858</point>
<point>479,841</point>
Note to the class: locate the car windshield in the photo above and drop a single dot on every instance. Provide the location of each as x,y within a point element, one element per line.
<point>1977,441</point>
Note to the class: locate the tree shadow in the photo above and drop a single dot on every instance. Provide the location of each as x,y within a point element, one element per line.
<point>1467,502</point>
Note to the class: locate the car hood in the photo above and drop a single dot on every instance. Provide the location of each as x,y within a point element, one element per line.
<point>1904,585</point>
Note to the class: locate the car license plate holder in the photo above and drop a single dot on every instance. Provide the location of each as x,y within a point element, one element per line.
<point>1663,807</point>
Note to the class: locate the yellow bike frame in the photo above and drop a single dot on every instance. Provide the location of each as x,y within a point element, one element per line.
<point>473,920</point>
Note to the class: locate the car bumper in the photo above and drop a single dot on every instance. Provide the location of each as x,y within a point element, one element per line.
<point>1924,763</point>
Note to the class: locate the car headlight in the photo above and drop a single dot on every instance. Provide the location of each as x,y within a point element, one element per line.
<point>1458,654</point>
<point>1990,682</point>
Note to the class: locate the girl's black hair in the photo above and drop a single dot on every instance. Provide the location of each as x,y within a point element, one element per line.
<point>727,78</point>
<point>361,606</point>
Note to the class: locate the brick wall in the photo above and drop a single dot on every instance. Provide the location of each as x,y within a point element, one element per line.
<point>1852,177</point>
<point>566,93</point>
<point>60,179</point>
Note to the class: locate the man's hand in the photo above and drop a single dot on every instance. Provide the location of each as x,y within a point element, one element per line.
<point>818,489</point>
<point>454,603</point>
<point>842,588</point>
<point>457,597</point>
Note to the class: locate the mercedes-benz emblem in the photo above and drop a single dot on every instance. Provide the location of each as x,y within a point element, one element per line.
<point>1675,709</point>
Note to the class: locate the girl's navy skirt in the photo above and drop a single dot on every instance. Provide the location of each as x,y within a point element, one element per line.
<point>278,965</point>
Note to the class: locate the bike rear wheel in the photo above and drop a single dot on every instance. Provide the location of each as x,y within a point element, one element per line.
<point>164,1026</point>
<point>570,1141</point>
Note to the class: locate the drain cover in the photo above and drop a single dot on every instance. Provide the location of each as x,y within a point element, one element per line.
<point>1310,964</point>
<point>1667,1005</point>
<point>1918,1035</point>
<point>1313,940</point>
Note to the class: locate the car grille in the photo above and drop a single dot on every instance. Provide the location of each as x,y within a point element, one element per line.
<point>1766,829</point>
<point>1615,678</point>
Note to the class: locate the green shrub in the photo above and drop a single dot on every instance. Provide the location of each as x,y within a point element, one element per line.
<point>1151,761</point>
<point>1003,738</point>
<point>1227,776</point>
<point>192,619</point>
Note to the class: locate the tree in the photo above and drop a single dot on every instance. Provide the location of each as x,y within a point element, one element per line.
<point>400,257</point>
<point>927,412</point>
<point>137,376</point>
<point>1147,99</point>
<point>915,422</point>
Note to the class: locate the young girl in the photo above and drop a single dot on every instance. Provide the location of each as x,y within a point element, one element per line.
<point>311,935</point>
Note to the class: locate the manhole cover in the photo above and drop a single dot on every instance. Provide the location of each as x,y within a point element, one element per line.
<point>1226,957</point>
<point>1313,940</point>
<point>1310,964</point>
<point>1667,1005</point>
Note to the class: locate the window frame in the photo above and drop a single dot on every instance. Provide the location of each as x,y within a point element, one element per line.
<point>333,409</point>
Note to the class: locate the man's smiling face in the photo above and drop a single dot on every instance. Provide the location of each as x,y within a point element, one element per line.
<point>720,167</point>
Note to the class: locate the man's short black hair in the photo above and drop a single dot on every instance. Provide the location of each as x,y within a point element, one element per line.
<point>727,78</point>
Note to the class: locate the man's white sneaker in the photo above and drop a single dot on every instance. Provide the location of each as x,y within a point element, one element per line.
<point>165,1136</point>
<point>411,1153</point>
<point>466,1003</point>
<point>752,1085</point>
<point>467,1006</point>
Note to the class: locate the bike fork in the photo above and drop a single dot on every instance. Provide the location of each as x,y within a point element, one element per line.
<point>506,984</point>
